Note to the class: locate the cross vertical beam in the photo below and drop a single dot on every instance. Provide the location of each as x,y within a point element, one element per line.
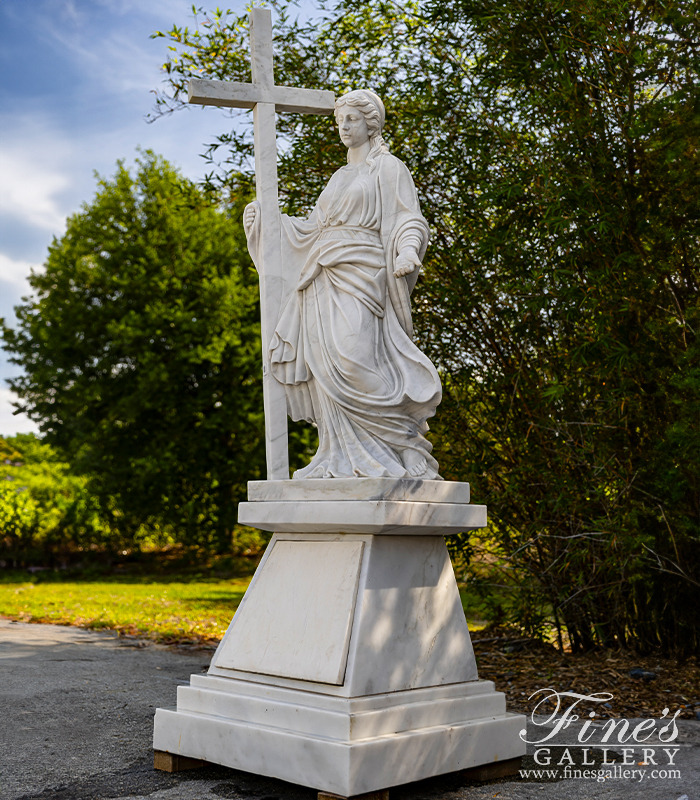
<point>266,99</point>
<point>272,280</point>
<point>273,288</point>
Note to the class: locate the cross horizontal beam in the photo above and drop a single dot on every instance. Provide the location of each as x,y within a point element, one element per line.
<point>247,95</point>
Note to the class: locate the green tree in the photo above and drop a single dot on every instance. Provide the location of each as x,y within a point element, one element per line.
<point>554,147</point>
<point>141,354</point>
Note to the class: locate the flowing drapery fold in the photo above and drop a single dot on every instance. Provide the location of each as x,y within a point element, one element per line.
<point>343,345</point>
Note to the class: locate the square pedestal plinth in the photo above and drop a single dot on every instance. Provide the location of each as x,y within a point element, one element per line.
<point>345,746</point>
<point>348,666</point>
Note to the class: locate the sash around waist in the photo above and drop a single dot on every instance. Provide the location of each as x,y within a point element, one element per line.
<point>353,232</point>
<point>354,252</point>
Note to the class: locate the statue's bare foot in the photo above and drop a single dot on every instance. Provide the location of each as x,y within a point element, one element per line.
<point>415,463</point>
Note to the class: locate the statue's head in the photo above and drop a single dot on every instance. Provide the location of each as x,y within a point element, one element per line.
<point>370,106</point>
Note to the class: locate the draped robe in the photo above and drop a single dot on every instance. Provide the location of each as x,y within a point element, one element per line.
<point>343,345</point>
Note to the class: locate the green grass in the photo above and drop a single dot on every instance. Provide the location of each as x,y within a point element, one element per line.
<point>168,609</point>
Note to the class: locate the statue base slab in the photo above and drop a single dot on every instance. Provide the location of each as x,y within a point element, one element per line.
<point>399,507</point>
<point>403,489</point>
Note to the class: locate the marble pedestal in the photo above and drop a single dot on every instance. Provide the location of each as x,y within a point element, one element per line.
<point>348,666</point>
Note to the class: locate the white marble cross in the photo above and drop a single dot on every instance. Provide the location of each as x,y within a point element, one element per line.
<point>265,99</point>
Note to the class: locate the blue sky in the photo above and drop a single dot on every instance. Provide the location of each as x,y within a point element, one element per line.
<point>77,83</point>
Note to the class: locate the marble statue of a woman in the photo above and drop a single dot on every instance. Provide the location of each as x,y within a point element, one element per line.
<point>343,345</point>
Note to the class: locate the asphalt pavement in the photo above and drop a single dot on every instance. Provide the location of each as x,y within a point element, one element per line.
<point>76,721</point>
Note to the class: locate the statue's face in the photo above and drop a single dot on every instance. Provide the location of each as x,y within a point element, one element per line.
<point>352,126</point>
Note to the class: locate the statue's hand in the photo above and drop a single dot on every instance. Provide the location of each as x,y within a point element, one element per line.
<point>406,261</point>
<point>250,216</point>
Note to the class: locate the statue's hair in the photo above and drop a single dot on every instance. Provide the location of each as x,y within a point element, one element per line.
<point>372,109</point>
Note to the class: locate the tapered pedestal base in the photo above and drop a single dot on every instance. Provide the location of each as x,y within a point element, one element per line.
<point>348,666</point>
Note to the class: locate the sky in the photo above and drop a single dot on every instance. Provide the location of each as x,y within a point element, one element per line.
<point>77,83</point>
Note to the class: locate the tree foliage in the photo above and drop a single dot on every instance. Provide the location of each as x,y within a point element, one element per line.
<point>584,260</point>
<point>554,146</point>
<point>47,514</point>
<point>141,354</point>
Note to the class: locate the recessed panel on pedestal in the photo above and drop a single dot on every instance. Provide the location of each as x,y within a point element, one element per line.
<point>296,618</point>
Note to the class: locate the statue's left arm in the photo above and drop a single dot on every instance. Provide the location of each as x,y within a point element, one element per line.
<point>404,229</point>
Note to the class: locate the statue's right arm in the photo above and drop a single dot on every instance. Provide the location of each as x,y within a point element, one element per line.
<point>251,215</point>
<point>251,227</point>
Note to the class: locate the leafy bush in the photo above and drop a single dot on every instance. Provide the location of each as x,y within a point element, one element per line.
<point>47,514</point>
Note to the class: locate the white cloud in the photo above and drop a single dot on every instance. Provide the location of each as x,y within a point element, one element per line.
<point>30,184</point>
<point>14,285</point>
<point>116,63</point>
<point>15,272</point>
<point>120,57</point>
<point>9,424</point>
